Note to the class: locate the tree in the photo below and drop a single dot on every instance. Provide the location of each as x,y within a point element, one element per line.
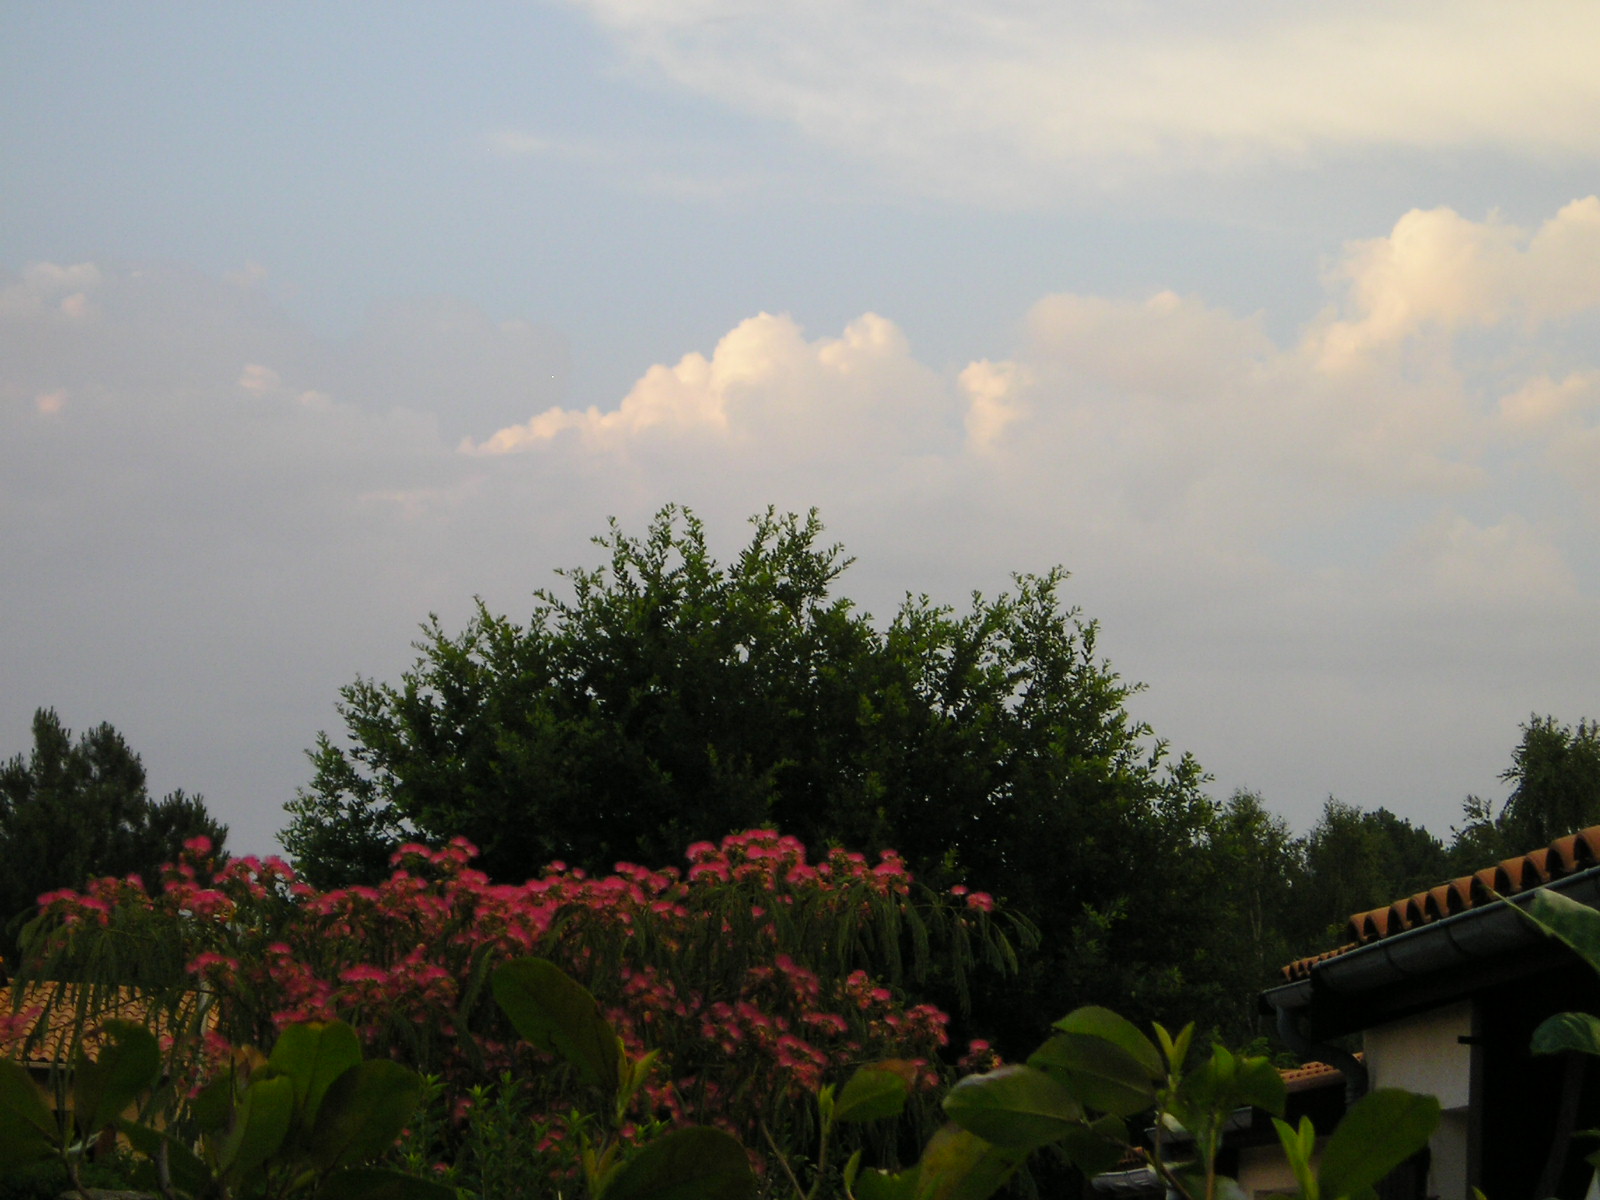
<point>1555,770</point>
<point>671,698</point>
<point>1356,860</point>
<point>1254,865</point>
<point>73,810</point>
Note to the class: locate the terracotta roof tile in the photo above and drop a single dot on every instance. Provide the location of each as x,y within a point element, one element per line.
<point>51,1024</point>
<point>1311,1075</point>
<point>1564,856</point>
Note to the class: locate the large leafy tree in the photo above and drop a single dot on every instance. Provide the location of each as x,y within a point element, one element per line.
<point>666,697</point>
<point>73,809</point>
<point>1355,859</point>
<point>1555,778</point>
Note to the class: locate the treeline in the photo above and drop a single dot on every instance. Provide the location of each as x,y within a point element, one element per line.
<point>663,698</point>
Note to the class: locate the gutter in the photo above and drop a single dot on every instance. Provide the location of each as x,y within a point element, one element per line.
<point>1451,944</point>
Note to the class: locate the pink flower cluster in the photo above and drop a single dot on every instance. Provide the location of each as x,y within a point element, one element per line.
<point>754,973</point>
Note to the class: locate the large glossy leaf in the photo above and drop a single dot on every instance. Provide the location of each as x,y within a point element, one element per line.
<point>1381,1130</point>
<point>956,1164</point>
<point>1097,1147</point>
<point>1119,1031</point>
<point>1225,1081</point>
<point>187,1172</point>
<point>872,1093</point>
<point>1576,924</point>
<point>1100,1074</point>
<point>375,1183</point>
<point>1016,1106</point>
<point>1299,1144</point>
<point>22,1101</point>
<point>363,1112</point>
<point>1568,1031</point>
<point>556,1013</point>
<point>128,1063</point>
<point>876,1184</point>
<point>313,1054</point>
<point>695,1163</point>
<point>260,1125</point>
<point>27,1130</point>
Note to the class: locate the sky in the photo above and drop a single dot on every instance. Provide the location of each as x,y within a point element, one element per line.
<point>1277,326</point>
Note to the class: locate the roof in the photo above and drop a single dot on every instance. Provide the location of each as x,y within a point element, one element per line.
<point>1565,856</point>
<point>49,1020</point>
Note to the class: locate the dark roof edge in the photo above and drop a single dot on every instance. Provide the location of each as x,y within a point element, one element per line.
<point>1460,940</point>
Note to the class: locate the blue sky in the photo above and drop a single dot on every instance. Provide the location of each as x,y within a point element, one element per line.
<point>1278,326</point>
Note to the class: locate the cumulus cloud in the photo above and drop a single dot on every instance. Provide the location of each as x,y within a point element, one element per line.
<point>1026,98</point>
<point>764,389</point>
<point>1439,270</point>
<point>215,518</point>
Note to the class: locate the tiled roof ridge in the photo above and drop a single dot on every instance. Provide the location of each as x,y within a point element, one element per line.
<point>1311,1074</point>
<point>1564,856</point>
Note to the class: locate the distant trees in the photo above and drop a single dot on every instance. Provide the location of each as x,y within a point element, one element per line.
<point>665,697</point>
<point>1555,778</point>
<point>70,810</point>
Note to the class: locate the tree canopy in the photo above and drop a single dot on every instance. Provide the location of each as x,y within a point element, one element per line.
<point>1555,778</point>
<point>70,810</point>
<point>668,698</point>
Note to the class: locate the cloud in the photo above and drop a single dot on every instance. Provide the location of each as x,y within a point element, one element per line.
<point>215,518</point>
<point>764,387</point>
<point>1025,98</point>
<point>1439,270</point>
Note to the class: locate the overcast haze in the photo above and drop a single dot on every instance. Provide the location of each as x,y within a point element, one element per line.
<point>1277,325</point>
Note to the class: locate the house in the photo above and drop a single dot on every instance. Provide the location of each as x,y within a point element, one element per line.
<point>1442,991</point>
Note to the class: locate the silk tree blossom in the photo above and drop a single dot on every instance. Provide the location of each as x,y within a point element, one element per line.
<point>755,974</point>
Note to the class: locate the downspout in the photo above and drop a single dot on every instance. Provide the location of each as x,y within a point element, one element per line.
<point>1353,1069</point>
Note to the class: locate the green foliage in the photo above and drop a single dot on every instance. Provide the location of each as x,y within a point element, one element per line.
<point>552,1011</point>
<point>670,697</point>
<point>1555,773</point>
<point>1356,860</point>
<point>1097,1069</point>
<point>75,809</point>
<point>306,1122</point>
<point>1381,1131</point>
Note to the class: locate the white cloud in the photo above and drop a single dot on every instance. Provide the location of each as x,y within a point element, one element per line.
<point>225,518</point>
<point>1439,270</point>
<point>764,389</point>
<point>1030,97</point>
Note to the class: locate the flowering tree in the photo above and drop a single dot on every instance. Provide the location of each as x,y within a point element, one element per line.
<point>755,974</point>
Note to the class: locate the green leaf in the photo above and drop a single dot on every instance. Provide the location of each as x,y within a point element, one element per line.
<point>129,1062</point>
<point>1381,1130</point>
<point>1568,1031</point>
<point>957,1164</point>
<point>556,1013</point>
<point>1175,1049</point>
<point>260,1125</point>
<point>1576,924</point>
<point>376,1183</point>
<point>313,1054</point>
<point>188,1173</point>
<point>872,1093</point>
<point>1013,1106</point>
<point>1298,1146</point>
<point>23,1104</point>
<point>1260,1083</point>
<point>364,1112</point>
<point>1100,1074</point>
<point>877,1184</point>
<point>1119,1031</point>
<point>1097,1147</point>
<point>695,1163</point>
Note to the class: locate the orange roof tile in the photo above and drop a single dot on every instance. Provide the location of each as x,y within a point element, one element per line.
<point>1564,856</point>
<point>44,1025</point>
